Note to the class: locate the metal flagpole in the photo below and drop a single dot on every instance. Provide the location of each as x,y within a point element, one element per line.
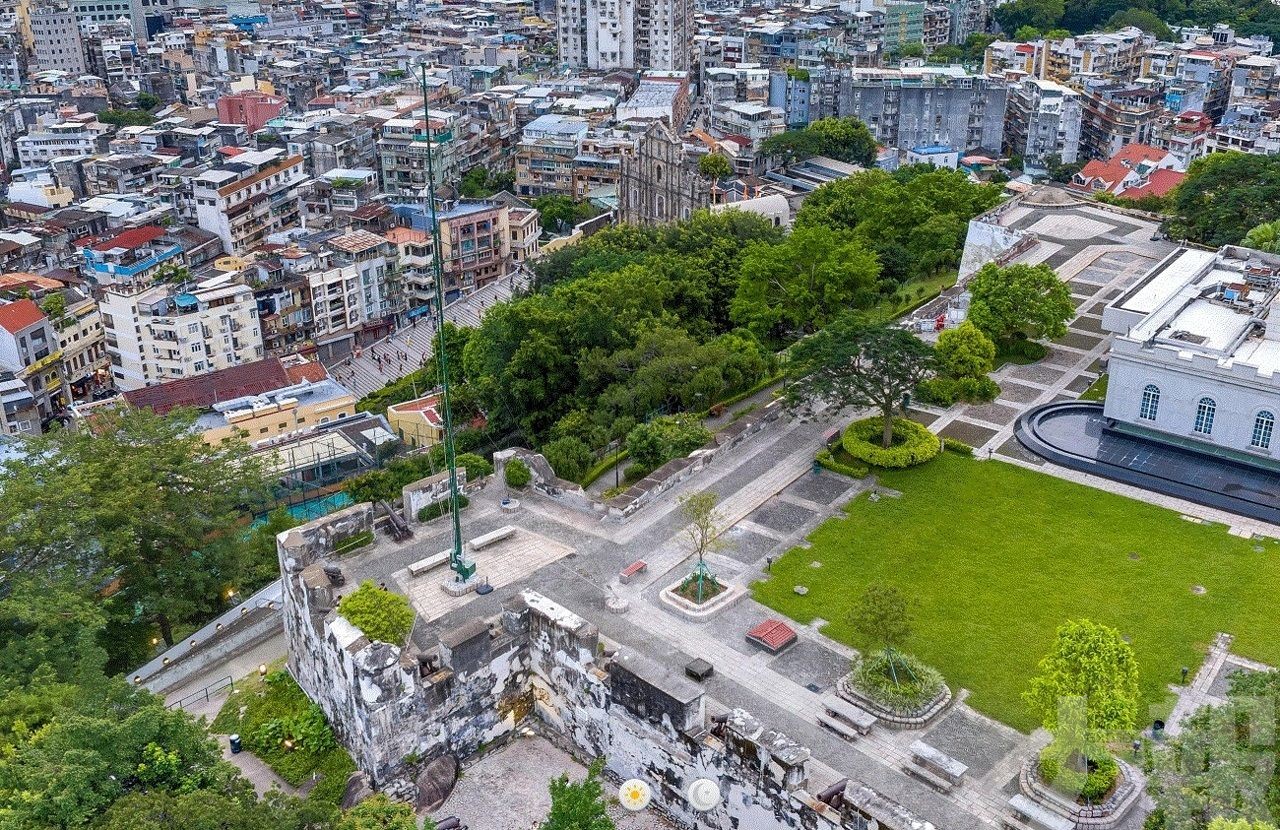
<point>462,569</point>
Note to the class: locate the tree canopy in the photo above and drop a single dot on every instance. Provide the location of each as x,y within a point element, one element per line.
<point>1019,300</point>
<point>1224,196</point>
<point>578,805</point>
<point>1089,662</point>
<point>914,220</point>
<point>882,616</point>
<point>852,364</point>
<point>1222,771</point>
<point>715,166</point>
<point>139,502</point>
<point>1247,17</point>
<point>843,139</point>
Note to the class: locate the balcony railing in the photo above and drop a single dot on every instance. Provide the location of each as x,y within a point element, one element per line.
<point>136,268</point>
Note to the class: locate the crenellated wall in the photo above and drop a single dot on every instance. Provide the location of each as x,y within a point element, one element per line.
<point>540,664</point>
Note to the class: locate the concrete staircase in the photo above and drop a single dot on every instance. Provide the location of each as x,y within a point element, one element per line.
<point>366,374</point>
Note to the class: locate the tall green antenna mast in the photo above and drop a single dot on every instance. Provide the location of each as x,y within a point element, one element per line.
<point>462,569</point>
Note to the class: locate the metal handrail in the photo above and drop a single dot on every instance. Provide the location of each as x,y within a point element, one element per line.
<point>204,694</point>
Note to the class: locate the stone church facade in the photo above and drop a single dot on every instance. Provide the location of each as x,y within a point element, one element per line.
<point>657,185</point>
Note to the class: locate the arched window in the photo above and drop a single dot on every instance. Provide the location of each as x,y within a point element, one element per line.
<point>1263,425</point>
<point>1204,415</point>
<point>1150,402</point>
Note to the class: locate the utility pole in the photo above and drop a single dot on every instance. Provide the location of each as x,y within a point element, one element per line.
<point>462,569</point>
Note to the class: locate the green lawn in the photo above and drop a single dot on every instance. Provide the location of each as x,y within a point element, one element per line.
<point>1097,390</point>
<point>999,556</point>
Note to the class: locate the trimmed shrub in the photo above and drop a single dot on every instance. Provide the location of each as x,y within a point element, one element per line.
<point>517,473</point>
<point>380,614</point>
<point>477,466</point>
<point>1090,787</point>
<point>958,447</point>
<point>1021,348</point>
<point>441,508</point>
<point>945,391</point>
<point>916,685</point>
<point>569,457</point>
<point>635,471</point>
<point>827,459</point>
<point>912,443</point>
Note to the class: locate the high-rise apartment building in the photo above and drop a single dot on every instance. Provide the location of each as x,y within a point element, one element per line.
<point>913,107</point>
<point>56,41</point>
<point>612,34</point>
<point>1042,120</point>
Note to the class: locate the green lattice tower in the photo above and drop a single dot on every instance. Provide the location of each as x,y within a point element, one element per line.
<point>461,568</point>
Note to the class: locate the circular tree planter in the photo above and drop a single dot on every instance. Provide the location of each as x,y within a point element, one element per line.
<point>893,714</point>
<point>913,443</point>
<point>1103,815</point>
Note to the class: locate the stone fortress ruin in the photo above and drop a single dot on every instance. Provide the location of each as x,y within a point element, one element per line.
<point>412,715</point>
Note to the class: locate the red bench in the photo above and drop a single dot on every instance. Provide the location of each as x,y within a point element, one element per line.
<point>631,570</point>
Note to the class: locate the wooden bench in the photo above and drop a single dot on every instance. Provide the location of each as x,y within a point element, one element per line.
<point>491,538</point>
<point>935,767</point>
<point>855,716</point>
<point>429,563</point>
<point>838,726</point>
<point>1030,815</point>
<point>638,566</point>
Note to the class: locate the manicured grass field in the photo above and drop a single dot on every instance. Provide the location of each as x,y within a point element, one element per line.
<point>998,556</point>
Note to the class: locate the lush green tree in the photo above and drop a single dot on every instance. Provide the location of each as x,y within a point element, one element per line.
<point>569,457</point>
<point>383,616</point>
<point>715,166</point>
<point>1092,662</point>
<point>1057,34</point>
<point>147,101</point>
<point>1223,768</point>
<point>843,139</point>
<point>656,442</point>
<point>560,214</point>
<point>945,55</point>
<point>882,616</point>
<point>475,183</point>
<point>975,46</point>
<point>516,473</point>
<point>127,118</point>
<point>965,352</point>
<point>477,466</point>
<point>1144,19</point>
<point>852,364</point>
<point>1060,171</point>
<point>911,49</point>
<point>799,285</point>
<point>578,805</point>
<point>1039,14</point>
<point>1019,300</point>
<point>377,812</point>
<point>914,220</point>
<point>1026,33</point>
<point>1264,237</point>
<point>54,307</point>
<point>140,499</point>
<point>1224,196</point>
<point>237,808</point>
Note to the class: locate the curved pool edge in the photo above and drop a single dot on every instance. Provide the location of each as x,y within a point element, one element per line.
<point>1025,430</point>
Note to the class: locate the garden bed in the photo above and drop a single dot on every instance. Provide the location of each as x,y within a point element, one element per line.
<point>280,725</point>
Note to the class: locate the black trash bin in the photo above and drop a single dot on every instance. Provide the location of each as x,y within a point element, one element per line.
<point>235,744</point>
<point>1157,730</point>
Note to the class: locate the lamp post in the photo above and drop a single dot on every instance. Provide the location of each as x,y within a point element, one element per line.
<point>462,569</point>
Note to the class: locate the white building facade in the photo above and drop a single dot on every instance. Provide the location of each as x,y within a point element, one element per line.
<point>1196,357</point>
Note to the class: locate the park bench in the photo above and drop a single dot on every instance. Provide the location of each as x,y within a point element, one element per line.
<point>934,767</point>
<point>429,563</point>
<point>838,726</point>
<point>638,566</point>
<point>491,538</point>
<point>855,716</point>
<point>1028,815</point>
